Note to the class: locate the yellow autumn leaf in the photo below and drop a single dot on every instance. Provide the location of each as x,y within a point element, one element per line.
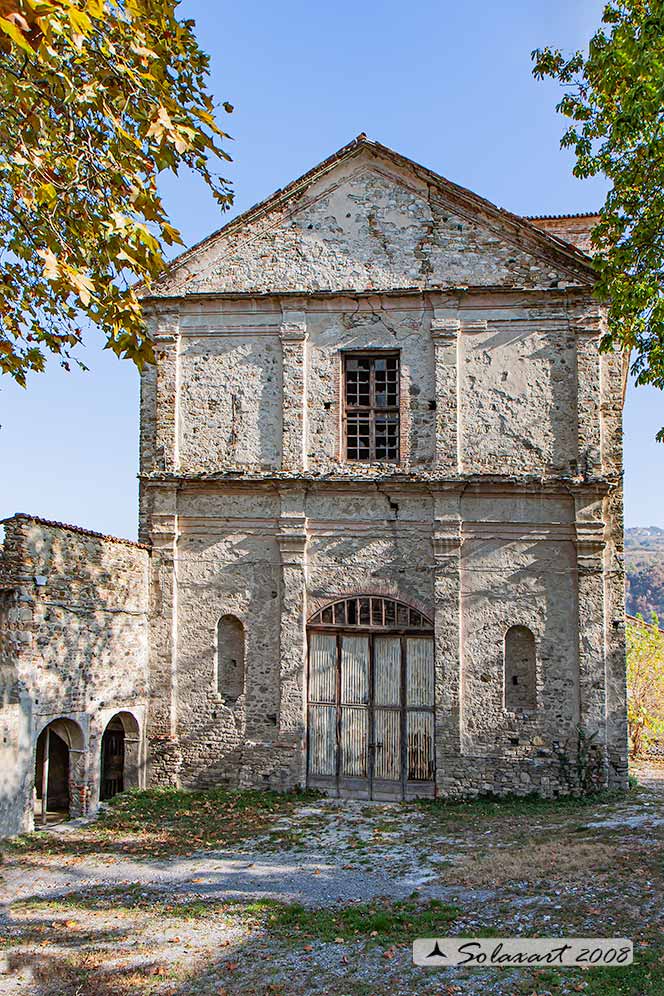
<point>51,266</point>
<point>82,285</point>
<point>16,35</point>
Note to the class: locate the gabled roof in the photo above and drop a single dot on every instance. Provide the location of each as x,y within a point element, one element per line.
<point>518,229</point>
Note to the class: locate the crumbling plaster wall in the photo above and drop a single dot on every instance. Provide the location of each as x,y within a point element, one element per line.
<point>75,634</point>
<point>372,224</point>
<point>230,401</point>
<point>218,400</point>
<point>504,508</point>
<point>529,395</point>
<point>517,566</point>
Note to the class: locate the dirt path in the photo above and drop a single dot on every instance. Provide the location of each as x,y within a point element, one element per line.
<point>328,899</point>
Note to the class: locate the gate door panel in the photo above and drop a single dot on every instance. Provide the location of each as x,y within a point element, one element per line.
<point>387,717</point>
<point>371,700</point>
<point>322,709</point>
<point>419,714</point>
<point>354,760</point>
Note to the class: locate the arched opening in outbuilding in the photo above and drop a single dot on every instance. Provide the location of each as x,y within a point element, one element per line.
<point>120,755</point>
<point>59,769</point>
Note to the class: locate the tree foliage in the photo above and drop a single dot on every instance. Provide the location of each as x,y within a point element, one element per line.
<point>615,99</point>
<point>98,96</point>
<point>645,682</point>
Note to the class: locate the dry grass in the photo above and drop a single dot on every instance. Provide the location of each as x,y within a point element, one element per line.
<point>87,974</point>
<point>532,862</point>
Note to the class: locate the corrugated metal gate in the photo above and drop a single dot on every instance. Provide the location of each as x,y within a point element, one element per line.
<point>371,700</point>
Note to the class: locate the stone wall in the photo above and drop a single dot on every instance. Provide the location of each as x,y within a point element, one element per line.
<point>73,647</point>
<point>518,551</point>
<point>491,383</point>
<point>504,510</point>
<point>370,219</point>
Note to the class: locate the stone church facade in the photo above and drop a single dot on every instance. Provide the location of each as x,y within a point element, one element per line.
<point>380,503</point>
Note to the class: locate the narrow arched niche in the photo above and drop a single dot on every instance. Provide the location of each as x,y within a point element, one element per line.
<point>520,675</point>
<point>230,659</point>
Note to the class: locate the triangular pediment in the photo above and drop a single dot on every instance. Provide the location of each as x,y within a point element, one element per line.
<point>369,219</point>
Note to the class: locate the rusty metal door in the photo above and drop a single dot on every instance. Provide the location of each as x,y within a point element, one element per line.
<point>371,713</point>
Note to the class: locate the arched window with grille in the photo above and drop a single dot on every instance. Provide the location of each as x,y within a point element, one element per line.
<point>230,659</point>
<point>520,673</point>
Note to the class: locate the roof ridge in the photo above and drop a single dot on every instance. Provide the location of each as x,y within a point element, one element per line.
<point>74,529</point>
<point>556,217</point>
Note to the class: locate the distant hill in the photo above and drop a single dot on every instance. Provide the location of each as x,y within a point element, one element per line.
<point>644,565</point>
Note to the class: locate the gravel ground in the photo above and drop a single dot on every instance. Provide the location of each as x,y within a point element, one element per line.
<point>217,922</point>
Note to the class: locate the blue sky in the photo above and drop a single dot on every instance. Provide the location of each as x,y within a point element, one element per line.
<point>446,84</point>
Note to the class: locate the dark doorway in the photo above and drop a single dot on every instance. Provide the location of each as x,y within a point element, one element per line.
<point>52,771</point>
<point>56,769</point>
<point>112,759</point>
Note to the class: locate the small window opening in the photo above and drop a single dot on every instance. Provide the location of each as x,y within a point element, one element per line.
<point>371,409</point>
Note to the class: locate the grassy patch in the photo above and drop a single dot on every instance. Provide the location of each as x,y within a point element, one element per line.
<point>489,807</point>
<point>127,899</point>
<point>377,922</point>
<point>644,978</point>
<point>87,974</point>
<point>163,822</point>
<point>556,861</point>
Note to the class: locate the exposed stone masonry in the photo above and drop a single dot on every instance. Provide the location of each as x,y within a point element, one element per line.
<point>504,510</point>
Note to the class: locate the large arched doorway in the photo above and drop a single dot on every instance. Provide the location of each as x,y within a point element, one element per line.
<point>58,761</point>
<point>120,749</point>
<point>370,730</point>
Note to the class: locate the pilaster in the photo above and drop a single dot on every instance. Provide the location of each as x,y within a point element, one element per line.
<point>590,547</point>
<point>166,348</point>
<point>445,335</point>
<point>446,538</point>
<point>292,540</point>
<point>293,334</point>
<point>162,715</point>
<point>586,324</point>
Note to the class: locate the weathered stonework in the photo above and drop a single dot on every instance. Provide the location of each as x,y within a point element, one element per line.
<point>73,650</point>
<point>504,508</point>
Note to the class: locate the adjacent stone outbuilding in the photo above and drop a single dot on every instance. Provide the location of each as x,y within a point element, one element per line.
<point>73,663</point>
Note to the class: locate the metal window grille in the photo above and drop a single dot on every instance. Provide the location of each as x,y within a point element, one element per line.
<point>371,406</point>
